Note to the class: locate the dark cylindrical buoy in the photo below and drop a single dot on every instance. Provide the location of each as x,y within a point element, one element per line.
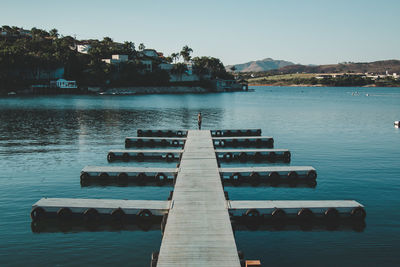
<point>91,215</point>
<point>118,214</point>
<point>37,213</point>
<point>311,174</point>
<point>161,178</point>
<point>358,213</point>
<point>125,156</point>
<point>305,214</point>
<point>64,213</point>
<point>111,157</point>
<point>139,156</point>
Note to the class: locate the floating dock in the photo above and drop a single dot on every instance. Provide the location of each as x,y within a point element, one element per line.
<point>198,230</point>
<point>122,175</point>
<point>154,142</point>
<point>141,155</point>
<point>198,217</point>
<point>245,141</point>
<point>256,155</point>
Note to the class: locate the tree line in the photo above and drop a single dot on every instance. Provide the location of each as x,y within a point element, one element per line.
<point>24,54</point>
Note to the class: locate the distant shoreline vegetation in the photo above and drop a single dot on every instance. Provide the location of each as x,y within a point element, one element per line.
<point>333,80</point>
<point>34,58</point>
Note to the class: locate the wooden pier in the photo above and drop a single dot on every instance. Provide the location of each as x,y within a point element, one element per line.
<point>198,230</point>
<point>198,217</point>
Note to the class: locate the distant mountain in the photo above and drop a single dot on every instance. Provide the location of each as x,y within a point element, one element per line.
<point>260,65</point>
<point>378,67</point>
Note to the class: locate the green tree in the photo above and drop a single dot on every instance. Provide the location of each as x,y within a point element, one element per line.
<point>141,47</point>
<point>185,53</point>
<point>54,33</point>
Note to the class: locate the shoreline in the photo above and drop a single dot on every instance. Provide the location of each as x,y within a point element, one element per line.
<point>315,85</point>
<point>139,90</point>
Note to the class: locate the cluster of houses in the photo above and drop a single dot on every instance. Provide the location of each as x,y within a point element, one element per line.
<point>150,59</point>
<point>372,76</point>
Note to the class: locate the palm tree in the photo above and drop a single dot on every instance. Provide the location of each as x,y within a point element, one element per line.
<point>185,53</point>
<point>53,33</point>
<point>141,47</point>
<point>179,69</point>
<point>175,56</point>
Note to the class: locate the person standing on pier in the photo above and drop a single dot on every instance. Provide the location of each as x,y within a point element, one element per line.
<point>199,120</point>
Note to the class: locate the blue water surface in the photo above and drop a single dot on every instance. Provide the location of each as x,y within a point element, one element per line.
<point>45,141</point>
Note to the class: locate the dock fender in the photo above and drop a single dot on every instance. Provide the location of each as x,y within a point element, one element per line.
<point>111,157</point>
<point>91,215</point>
<point>358,213</point>
<point>258,157</point>
<point>37,213</point>
<point>255,178</point>
<point>305,214</point>
<point>252,213</point>
<point>118,214</point>
<point>278,214</point>
<point>311,174</point>
<point>140,156</point>
<point>128,143</point>
<point>125,156</point>
<point>164,142</point>
<point>331,214</point>
<point>228,156</point>
<point>122,178</point>
<point>170,157</point>
<point>64,213</point>
<point>235,178</point>
<point>161,178</point>
<point>144,213</point>
<point>272,156</point>
<point>292,175</point>
<point>243,156</point>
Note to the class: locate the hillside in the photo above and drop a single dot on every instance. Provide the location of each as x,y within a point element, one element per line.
<point>260,65</point>
<point>378,67</point>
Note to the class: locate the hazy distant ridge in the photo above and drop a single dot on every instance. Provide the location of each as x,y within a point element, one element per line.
<point>260,65</point>
<point>380,67</point>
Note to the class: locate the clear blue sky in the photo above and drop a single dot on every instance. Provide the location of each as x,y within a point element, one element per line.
<point>302,31</point>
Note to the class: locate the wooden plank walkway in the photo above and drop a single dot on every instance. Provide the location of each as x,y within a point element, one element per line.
<point>198,230</point>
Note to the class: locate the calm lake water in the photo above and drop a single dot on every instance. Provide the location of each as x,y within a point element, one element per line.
<point>349,139</point>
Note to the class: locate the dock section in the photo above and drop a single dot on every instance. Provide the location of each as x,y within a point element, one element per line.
<point>198,230</point>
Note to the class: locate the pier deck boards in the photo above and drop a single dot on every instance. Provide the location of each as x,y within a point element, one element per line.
<point>198,230</point>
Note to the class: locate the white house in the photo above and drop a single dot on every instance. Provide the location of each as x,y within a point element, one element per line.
<point>83,48</point>
<point>116,59</point>
<point>64,84</point>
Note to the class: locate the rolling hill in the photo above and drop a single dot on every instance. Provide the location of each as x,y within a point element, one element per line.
<point>260,65</point>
